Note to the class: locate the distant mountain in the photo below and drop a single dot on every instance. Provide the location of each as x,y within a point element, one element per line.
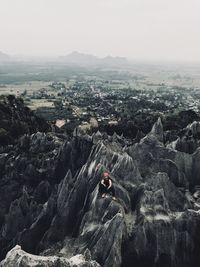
<point>4,57</point>
<point>74,58</point>
<point>79,58</point>
<point>114,60</point>
<point>88,60</point>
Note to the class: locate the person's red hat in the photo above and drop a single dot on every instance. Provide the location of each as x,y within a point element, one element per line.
<point>105,174</point>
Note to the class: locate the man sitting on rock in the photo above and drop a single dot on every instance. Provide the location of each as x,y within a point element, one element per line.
<point>106,186</point>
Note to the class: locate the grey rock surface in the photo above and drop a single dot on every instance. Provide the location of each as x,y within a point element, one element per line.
<point>52,206</point>
<point>19,258</point>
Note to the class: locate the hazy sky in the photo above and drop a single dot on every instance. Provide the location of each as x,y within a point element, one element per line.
<point>140,29</point>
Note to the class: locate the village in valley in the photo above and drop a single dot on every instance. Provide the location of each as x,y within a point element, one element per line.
<point>100,98</point>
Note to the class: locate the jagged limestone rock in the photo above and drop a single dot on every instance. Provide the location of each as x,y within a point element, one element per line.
<point>19,258</point>
<point>50,204</point>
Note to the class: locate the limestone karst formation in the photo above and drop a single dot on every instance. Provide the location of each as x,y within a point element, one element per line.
<point>50,209</point>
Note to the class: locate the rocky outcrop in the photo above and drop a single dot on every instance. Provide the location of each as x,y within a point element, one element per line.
<point>52,205</point>
<point>19,258</point>
<point>30,173</point>
<point>189,139</point>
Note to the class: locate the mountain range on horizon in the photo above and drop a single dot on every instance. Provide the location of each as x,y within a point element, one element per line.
<point>88,59</point>
<point>75,58</point>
